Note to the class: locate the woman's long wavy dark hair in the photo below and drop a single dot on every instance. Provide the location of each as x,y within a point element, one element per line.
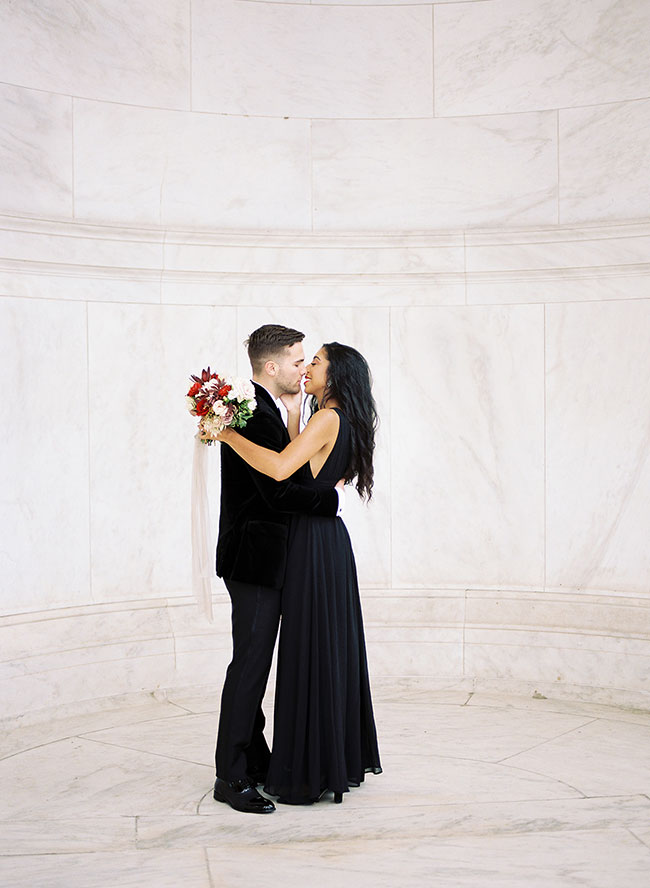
<point>349,381</point>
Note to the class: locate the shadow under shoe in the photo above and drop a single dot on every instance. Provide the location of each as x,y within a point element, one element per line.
<point>241,795</point>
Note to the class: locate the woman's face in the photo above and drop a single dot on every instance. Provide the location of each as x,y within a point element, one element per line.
<point>316,375</point>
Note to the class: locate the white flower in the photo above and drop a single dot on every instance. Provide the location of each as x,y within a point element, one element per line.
<point>242,389</point>
<point>212,425</point>
<point>252,404</point>
<point>219,408</point>
<point>191,404</point>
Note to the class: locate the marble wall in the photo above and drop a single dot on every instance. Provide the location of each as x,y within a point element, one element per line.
<point>326,116</point>
<point>459,189</point>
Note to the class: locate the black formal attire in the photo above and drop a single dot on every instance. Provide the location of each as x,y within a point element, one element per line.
<point>324,735</point>
<point>252,559</point>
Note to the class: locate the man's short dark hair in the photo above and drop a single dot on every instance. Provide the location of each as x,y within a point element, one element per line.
<point>268,342</point>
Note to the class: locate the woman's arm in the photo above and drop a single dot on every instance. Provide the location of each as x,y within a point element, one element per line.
<point>320,431</point>
<point>293,403</point>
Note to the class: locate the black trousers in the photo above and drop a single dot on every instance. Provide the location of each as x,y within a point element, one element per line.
<point>241,746</point>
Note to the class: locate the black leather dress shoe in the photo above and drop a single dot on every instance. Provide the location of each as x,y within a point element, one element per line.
<point>242,796</point>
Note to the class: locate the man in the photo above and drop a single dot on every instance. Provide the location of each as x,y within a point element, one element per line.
<point>251,558</point>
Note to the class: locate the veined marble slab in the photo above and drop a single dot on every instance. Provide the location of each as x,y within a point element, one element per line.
<point>602,158</point>
<point>146,166</point>
<point>311,61</point>
<point>366,823</point>
<point>91,778</point>
<point>128,869</point>
<point>109,49</point>
<point>597,858</point>
<point>35,151</point>
<point>537,54</point>
<point>431,174</point>
<point>45,527</point>
<point>141,358</point>
<point>468,453</point>
<point>597,435</point>
<point>585,757</point>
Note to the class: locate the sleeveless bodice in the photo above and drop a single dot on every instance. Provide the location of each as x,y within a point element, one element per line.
<point>337,462</point>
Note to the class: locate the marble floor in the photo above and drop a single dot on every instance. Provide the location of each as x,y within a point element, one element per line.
<point>478,790</point>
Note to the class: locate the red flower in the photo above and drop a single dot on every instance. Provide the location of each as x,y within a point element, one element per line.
<point>195,388</point>
<point>223,391</point>
<point>202,407</point>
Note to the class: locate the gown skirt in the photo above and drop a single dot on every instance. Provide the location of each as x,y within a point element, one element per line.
<point>324,735</point>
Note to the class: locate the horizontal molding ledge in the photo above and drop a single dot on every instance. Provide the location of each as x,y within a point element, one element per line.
<point>563,264</point>
<point>60,269</point>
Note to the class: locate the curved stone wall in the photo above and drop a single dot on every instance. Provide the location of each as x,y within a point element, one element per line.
<point>460,189</point>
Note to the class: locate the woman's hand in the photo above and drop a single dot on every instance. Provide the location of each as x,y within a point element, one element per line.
<point>223,436</point>
<point>293,403</point>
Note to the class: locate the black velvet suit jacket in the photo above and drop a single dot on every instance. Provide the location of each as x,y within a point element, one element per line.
<point>255,509</point>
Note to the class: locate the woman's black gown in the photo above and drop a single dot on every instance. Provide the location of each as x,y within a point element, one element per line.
<point>324,735</point>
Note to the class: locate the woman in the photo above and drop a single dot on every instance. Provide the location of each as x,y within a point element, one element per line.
<point>324,734</point>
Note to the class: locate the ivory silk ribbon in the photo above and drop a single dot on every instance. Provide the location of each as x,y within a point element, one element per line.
<point>202,565</point>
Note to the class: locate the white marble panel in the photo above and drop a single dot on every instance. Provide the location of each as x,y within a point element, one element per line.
<point>35,151</point>
<point>313,255</point>
<point>584,758</point>
<point>51,282</point>
<point>44,474</point>
<point>126,868</point>
<point>91,777</point>
<point>361,822</point>
<point>568,249</point>
<point>540,703</point>
<point>88,248</point>
<point>602,160</point>
<point>141,439</point>
<point>618,616</point>
<point>58,632</point>
<point>411,608</point>
<point>562,265</point>
<point>146,166</point>
<point>188,738</point>
<point>368,331</point>
<point>536,54</point>
<point>596,858</point>
<point>311,61</point>
<point>579,286</point>
<point>468,468</point>
<point>88,834</point>
<point>101,672</point>
<point>30,730</point>
<point>193,290</point>
<point>71,261</point>
<point>598,432</point>
<point>110,49</point>
<point>429,174</point>
<point>489,735</point>
<point>552,660</point>
<point>439,653</point>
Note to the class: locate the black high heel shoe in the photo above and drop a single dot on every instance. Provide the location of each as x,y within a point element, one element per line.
<point>338,798</point>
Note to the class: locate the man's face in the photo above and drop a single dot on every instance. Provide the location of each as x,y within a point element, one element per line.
<point>291,369</point>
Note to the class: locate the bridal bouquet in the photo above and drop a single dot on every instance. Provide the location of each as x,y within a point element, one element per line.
<point>220,401</point>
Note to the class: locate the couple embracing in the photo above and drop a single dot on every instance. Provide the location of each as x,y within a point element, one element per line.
<point>284,552</point>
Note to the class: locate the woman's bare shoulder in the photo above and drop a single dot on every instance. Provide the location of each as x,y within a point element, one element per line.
<point>325,418</point>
